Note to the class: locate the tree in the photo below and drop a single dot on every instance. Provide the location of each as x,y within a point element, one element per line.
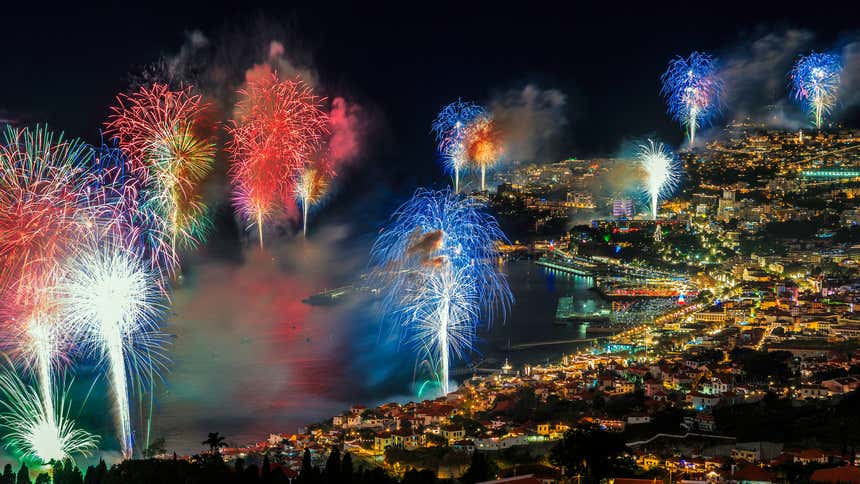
<point>266,472</point>
<point>480,470</point>
<point>97,474</point>
<point>278,477</point>
<point>593,453</point>
<point>414,476</point>
<point>309,474</point>
<point>346,469</point>
<point>43,478</point>
<point>76,477</point>
<point>306,463</point>
<point>250,475</point>
<point>155,448</point>
<point>8,475</point>
<point>215,442</point>
<point>23,475</point>
<point>332,467</point>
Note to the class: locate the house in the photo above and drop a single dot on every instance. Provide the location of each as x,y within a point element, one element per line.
<point>706,422</point>
<point>681,380</point>
<point>453,433</point>
<point>545,474</point>
<point>716,386</point>
<point>527,479</point>
<point>652,388</point>
<point>638,419</point>
<point>498,443</point>
<point>618,387</point>
<point>611,424</point>
<point>436,414</point>
<point>353,420</point>
<point>543,429</point>
<point>747,454</point>
<point>552,428</point>
<point>700,401</point>
<point>842,385</point>
<point>811,456</point>
<point>382,441</point>
<point>464,445</point>
<point>843,475</point>
<point>648,461</point>
<point>407,438</point>
<point>752,474</point>
<point>624,480</point>
<point>812,391</point>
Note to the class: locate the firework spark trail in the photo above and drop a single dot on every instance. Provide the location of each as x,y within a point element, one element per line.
<point>483,145</point>
<point>310,188</point>
<point>661,172</point>
<point>437,267</point>
<point>278,126</point>
<point>42,176</point>
<point>36,430</point>
<point>163,134</point>
<point>441,310</point>
<point>693,90</point>
<point>117,208</point>
<point>449,128</point>
<point>111,304</point>
<point>815,83</point>
<point>41,182</point>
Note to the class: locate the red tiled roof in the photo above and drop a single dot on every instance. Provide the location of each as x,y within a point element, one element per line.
<point>516,480</point>
<point>754,473</point>
<point>624,480</point>
<point>844,474</point>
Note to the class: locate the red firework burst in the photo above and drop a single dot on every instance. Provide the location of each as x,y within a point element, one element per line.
<point>278,126</point>
<point>41,197</point>
<point>144,118</point>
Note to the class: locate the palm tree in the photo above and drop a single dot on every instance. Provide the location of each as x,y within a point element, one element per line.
<point>215,442</point>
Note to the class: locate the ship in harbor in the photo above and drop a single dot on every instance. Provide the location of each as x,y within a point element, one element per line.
<point>566,313</point>
<point>605,321</point>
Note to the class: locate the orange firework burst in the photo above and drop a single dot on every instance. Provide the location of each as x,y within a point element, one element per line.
<point>483,144</point>
<point>278,126</point>
<point>310,188</point>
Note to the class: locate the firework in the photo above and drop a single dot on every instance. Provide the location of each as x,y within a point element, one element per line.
<point>278,126</point>
<point>111,304</point>
<point>693,91</point>
<point>437,265</point>
<point>41,182</point>
<point>36,430</point>
<point>815,82</point>
<point>162,133</point>
<point>117,208</point>
<point>483,146</point>
<point>42,176</point>
<point>450,127</point>
<point>661,172</point>
<point>310,187</point>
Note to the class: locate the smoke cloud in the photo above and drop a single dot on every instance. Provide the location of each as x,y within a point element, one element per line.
<point>531,120</point>
<point>349,126</point>
<point>756,72</point>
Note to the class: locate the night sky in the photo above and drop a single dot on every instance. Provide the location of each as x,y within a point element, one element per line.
<point>65,65</point>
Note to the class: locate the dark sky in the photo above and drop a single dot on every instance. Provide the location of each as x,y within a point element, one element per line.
<point>65,65</point>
